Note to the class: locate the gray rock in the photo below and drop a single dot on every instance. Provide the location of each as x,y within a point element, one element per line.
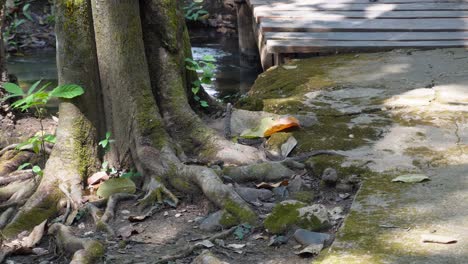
<point>296,185</point>
<point>307,120</point>
<point>344,187</point>
<point>212,222</point>
<point>307,238</point>
<point>330,176</point>
<point>252,194</point>
<point>206,257</point>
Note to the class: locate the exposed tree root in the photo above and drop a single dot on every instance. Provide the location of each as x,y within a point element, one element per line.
<point>7,148</point>
<point>154,193</point>
<point>188,251</point>
<point>17,176</point>
<point>84,251</point>
<point>12,159</point>
<point>8,214</point>
<point>18,190</point>
<point>112,204</point>
<point>101,220</point>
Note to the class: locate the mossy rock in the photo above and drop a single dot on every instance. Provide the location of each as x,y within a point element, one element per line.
<point>307,196</point>
<point>288,214</point>
<point>318,164</point>
<point>250,103</point>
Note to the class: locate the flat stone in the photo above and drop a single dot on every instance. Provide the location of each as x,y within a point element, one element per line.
<point>252,194</point>
<point>452,94</point>
<point>306,237</point>
<point>313,249</point>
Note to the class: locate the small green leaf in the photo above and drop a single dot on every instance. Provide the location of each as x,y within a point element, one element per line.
<point>24,165</point>
<point>13,89</point>
<point>208,58</point>
<point>33,87</point>
<point>67,91</point>
<point>195,90</point>
<point>197,98</point>
<point>204,103</point>
<point>411,178</point>
<point>50,138</point>
<point>36,169</point>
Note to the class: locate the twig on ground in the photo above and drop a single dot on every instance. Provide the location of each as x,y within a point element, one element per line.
<point>190,249</point>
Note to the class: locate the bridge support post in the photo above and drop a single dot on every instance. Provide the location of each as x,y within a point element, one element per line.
<point>249,54</point>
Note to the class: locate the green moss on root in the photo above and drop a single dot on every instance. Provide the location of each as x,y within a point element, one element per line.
<point>32,217</point>
<point>243,215</point>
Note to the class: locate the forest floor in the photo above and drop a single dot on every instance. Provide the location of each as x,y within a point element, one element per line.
<point>392,114</point>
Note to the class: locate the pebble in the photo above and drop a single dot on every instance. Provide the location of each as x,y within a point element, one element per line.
<point>166,213</point>
<point>125,212</point>
<point>330,176</point>
<point>344,195</point>
<point>177,215</point>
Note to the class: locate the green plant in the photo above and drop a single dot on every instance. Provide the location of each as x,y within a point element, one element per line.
<point>194,11</point>
<point>205,69</point>
<point>37,99</point>
<point>36,169</point>
<point>9,33</point>
<point>105,143</point>
<point>26,11</point>
<point>130,174</point>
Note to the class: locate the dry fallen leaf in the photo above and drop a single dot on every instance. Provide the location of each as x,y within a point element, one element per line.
<point>281,124</point>
<point>269,126</point>
<point>25,244</point>
<point>98,177</point>
<point>266,185</point>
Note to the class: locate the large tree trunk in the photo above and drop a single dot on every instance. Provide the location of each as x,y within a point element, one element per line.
<point>167,41</point>
<point>144,103</point>
<point>138,126</point>
<point>74,156</point>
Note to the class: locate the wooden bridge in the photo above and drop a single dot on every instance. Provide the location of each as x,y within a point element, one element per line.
<point>269,30</point>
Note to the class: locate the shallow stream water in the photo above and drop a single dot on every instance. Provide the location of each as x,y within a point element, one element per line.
<point>230,80</point>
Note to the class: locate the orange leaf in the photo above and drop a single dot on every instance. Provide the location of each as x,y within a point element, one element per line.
<point>281,124</point>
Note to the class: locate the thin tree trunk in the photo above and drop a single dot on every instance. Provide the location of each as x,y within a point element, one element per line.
<point>74,156</point>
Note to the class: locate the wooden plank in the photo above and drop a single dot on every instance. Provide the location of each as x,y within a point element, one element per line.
<point>311,2</point>
<point>363,7</point>
<point>337,15</point>
<point>306,46</point>
<point>367,36</point>
<point>364,25</point>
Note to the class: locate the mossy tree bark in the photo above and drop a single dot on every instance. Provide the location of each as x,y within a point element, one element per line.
<point>167,42</point>
<point>4,107</point>
<point>130,60</point>
<point>75,155</point>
